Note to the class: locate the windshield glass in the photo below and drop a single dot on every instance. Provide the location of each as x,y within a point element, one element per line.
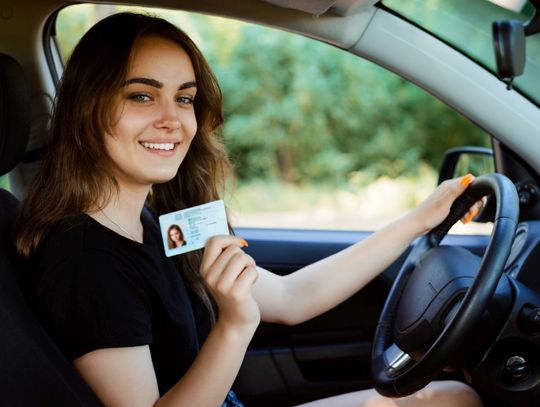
<point>466,25</point>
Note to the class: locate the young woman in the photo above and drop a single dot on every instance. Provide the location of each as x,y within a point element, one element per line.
<point>139,328</point>
<point>175,237</point>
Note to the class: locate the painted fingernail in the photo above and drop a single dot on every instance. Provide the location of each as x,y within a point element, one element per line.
<point>244,243</point>
<point>466,180</point>
<point>471,216</point>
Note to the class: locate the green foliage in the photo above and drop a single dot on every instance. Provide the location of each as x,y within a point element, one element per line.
<point>4,182</point>
<point>71,24</point>
<point>299,110</point>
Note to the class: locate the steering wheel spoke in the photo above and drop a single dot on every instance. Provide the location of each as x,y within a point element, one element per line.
<point>421,245</point>
<point>395,359</point>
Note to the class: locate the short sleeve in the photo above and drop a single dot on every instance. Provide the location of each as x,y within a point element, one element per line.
<point>91,301</point>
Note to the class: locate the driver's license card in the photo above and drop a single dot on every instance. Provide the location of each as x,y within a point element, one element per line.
<point>189,229</point>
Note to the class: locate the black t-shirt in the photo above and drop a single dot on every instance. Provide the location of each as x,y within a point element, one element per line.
<point>93,288</point>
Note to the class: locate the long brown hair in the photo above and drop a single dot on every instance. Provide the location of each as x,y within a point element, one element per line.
<point>75,171</point>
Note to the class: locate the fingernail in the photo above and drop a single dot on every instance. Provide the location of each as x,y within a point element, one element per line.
<point>471,216</point>
<point>466,180</point>
<point>244,243</point>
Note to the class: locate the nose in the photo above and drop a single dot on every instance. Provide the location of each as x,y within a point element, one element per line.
<point>168,116</point>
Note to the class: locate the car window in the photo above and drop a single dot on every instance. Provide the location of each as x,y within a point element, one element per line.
<point>466,25</point>
<point>319,138</point>
<point>4,182</point>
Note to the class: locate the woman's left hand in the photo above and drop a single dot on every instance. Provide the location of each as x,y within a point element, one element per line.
<point>436,207</point>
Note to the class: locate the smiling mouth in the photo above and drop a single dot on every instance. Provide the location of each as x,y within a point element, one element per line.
<point>158,146</point>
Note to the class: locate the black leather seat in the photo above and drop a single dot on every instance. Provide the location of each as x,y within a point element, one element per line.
<point>33,372</point>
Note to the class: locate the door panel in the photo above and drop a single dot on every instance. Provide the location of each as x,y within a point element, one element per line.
<point>329,354</point>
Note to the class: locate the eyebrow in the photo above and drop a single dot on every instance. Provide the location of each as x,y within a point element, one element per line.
<point>157,84</point>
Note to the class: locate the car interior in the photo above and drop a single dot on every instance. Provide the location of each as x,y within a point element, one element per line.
<point>480,320</point>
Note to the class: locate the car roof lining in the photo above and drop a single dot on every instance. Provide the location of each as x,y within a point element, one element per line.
<point>342,25</point>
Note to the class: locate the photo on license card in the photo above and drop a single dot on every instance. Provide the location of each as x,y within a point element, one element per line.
<point>189,229</point>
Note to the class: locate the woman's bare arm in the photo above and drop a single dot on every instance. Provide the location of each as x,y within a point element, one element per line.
<point>320,286</point>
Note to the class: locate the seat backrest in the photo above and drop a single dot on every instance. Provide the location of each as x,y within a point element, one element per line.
<point>33,372</point>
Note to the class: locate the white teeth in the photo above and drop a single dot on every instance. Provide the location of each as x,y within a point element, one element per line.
<point>158,146</point>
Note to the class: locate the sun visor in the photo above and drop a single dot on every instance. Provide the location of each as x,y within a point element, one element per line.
<point>315,7</point>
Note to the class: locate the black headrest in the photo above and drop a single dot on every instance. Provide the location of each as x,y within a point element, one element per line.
<point>14,113</point>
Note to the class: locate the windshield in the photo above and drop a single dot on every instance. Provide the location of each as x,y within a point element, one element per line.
<point>466,25</point>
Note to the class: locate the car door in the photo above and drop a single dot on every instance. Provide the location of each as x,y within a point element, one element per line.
<point>329,354</point>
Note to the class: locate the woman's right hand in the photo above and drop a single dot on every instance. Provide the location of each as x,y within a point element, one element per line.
<point>229,274</point>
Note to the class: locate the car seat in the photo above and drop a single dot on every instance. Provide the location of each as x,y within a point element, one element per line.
<point>33,372</point>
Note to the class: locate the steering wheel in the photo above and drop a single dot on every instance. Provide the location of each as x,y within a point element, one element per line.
<point>427,317</point>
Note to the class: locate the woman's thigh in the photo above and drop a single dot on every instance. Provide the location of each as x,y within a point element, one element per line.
<point>437,394</point>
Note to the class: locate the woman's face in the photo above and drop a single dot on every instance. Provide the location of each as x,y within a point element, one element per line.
<point>175,236</point>
<point>153,117</point>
